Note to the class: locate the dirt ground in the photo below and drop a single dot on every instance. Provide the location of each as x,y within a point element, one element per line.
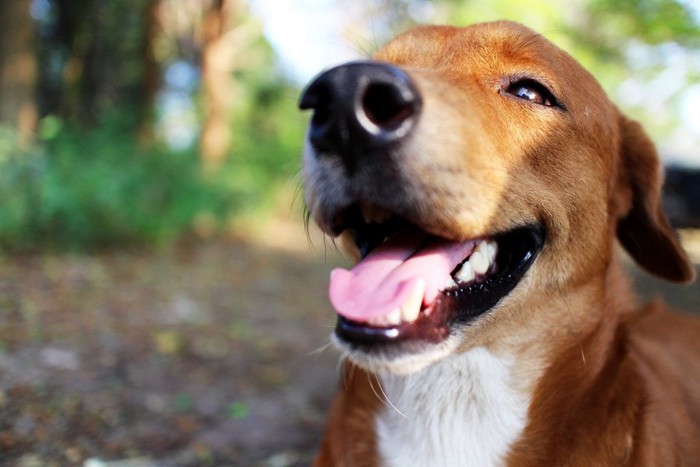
<point>210,353</point>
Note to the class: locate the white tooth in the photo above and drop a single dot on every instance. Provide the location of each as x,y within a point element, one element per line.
<point>411,307</point>
<point>482,247</point>
<point>394,317</point>
<point>479,262</point>
<point>492,249</point>
<point>410,314</point>
<point>466,273</point>
<point>450,283</point>
<point>479,259</point>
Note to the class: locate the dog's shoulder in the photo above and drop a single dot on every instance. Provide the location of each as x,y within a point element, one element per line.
<point>664,346</point>
<point>666,336</point>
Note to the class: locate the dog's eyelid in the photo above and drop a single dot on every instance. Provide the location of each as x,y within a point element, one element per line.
<point>532,90</point>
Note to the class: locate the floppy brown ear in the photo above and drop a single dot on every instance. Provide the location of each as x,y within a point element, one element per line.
<point>644,230</point>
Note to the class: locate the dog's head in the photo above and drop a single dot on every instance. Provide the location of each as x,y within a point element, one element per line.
<point>479,173</point>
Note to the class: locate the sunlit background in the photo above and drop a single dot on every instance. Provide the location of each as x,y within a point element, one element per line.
<point>645,53</point>
<point>215,84</point>
<point>160,302</point>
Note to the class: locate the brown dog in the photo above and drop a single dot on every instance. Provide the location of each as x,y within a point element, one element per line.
<point>483,177</point>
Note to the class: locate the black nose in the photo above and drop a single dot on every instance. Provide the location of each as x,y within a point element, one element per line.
<point>360,107</point>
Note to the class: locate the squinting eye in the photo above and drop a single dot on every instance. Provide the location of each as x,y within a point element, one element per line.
<point>531,90</point>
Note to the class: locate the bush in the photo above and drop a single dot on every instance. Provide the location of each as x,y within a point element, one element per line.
<point>96,189</point>
<point>86,189</point>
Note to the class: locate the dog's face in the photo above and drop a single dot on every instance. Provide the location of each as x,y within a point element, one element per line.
<point>479,173</point>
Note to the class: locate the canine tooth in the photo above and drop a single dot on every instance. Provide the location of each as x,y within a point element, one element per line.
<point>466,273</point>
<point>411,307</point>
<point>409,315</point>
<point>394,317</point>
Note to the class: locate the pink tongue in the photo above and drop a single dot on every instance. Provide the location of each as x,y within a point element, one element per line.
<point>384,280</point>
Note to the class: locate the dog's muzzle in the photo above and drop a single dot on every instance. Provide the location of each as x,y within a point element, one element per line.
<point>415,283</point>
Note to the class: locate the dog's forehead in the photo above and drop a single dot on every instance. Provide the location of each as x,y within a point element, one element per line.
<point>496,47</point>
<point>491,53</point>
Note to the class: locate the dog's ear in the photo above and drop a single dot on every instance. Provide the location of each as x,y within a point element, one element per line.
<point>644,229</point>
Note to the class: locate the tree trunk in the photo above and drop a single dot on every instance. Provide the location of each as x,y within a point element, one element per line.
<point>151,69</point>
<point>217,82</point>
<point>18,70</point>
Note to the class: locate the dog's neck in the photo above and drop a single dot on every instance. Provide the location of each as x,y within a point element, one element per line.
<point>465,410</point>
<point>470,408</point>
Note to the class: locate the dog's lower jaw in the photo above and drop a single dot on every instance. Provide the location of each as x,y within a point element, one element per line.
<point>464,410</point>
<point>402,363</point>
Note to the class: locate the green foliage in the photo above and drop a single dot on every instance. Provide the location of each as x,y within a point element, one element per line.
<point>99,188</point>
<point>542,15</point>
<point>85,189</point>
<point>652,21</point>
<point>643,52</point>
<point>266,152</point>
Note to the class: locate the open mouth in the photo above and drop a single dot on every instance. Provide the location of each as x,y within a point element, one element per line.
<point>413,286</point>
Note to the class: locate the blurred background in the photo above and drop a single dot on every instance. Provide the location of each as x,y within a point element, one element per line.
<point>160,300</point>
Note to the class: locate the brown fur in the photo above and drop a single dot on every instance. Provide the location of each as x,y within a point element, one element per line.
<point>611,383</point>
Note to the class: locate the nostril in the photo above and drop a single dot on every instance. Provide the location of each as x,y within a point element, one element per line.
<point>318,98</point>
<point>385,106</point>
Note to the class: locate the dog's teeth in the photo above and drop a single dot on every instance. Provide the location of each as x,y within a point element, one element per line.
<point>491,250</point>
<point>410,314</point>
<point>411,307</point>
<point>479,263</point>
<point>466,273</point>
<point>482,247</point>
<point>394,317</point>
<point>479,260</point>
<point>450,283</point>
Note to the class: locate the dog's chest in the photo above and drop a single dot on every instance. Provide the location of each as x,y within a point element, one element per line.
<point>459,412</point>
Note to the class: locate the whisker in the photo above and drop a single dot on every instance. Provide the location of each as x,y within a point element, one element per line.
<point>369,380</point>
<point>349,373</point>
<point>321,349</point>
<point>386,398</point>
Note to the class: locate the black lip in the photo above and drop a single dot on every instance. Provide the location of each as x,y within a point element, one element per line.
<point>517,251</point>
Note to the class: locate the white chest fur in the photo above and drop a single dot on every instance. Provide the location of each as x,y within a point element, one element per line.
<point>462,411</point>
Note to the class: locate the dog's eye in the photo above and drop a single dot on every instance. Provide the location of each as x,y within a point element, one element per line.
<point>531,90</point>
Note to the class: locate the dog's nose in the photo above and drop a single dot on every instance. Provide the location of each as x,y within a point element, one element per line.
<point>360,107</point>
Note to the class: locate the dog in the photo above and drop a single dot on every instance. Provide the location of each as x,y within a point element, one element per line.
<point>484,181</point>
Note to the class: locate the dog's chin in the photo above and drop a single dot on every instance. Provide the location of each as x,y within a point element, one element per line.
<point>401,359</point>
